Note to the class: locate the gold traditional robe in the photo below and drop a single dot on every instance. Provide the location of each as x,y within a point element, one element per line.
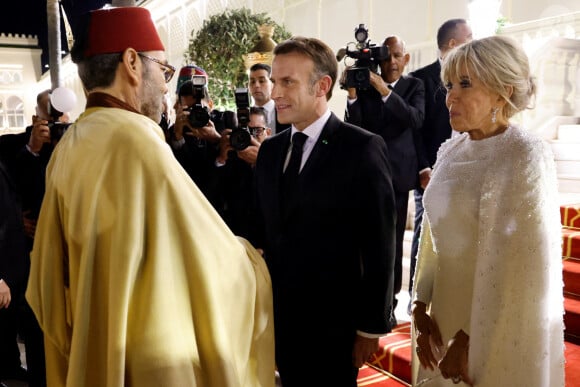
<point>135,279</point>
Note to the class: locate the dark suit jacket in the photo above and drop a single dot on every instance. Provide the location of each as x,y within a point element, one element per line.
<point>436,127</point>
<point>397,120</point>
<point>13,254</point>
<point>231,193</point>
<point>330,245</point>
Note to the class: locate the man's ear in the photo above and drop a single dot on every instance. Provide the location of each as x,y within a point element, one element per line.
<point>324,85</point>
<point>407,58</point>
<point>131,66</point>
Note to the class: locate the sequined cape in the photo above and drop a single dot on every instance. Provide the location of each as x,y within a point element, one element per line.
<point>490,259</point>
<point>135,279</point>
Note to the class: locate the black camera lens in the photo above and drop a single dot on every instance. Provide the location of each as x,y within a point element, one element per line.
<point>240,139</point>
<point>198,116</point>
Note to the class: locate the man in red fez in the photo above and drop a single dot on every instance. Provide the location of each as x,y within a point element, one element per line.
<point>135,279</point>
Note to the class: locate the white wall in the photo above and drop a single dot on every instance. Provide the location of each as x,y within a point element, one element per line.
<point>333,21</point>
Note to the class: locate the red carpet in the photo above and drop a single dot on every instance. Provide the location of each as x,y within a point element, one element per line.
<point>370,377</point>
<point>572,319</point>
<point>571,242</point>
<point>572,365</point>
<point>570,215</point>
<point>572,276</point>
<point>395,353</point>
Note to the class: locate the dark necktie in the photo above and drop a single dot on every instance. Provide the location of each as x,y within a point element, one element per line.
<point>293,167</point>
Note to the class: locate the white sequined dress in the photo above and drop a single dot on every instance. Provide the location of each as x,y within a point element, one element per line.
<point>490,259</point>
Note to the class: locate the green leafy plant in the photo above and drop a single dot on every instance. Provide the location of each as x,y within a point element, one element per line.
<point>218,47</point>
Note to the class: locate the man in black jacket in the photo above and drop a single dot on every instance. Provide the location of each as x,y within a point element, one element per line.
<point>393,108</point>
<point>325,198</point>
<point>436,128</point>
<point>12,273</point>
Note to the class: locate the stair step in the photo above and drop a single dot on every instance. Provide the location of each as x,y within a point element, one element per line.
<point>571,276</point>
<point>572,361</point>
<point>376,377</point>
<point>569,184</point>
<point>571,317</point>
<point>571,242</point>
<point>394,354</point>
<point>564,150</point>
<point>568,167</point>
<point>569,132</point>
<point>570,215</point>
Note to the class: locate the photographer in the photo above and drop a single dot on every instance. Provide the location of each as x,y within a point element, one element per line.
<point>234,173</point>
<point>27,156</point>
<point>194,144</point>
<point>393,107</point>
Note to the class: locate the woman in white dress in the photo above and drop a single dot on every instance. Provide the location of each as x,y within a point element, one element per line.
<point>488,304</point>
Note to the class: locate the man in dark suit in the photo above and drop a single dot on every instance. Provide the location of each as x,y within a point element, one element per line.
<point>393,108</point>
<point>436,128</point>
<point>327,211</point>
<point>12,276</point>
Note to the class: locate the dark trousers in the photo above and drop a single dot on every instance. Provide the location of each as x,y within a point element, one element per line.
<point>402,204</point>
<point>34,344</point>
<point>9,352</point>
<point>416,233</point>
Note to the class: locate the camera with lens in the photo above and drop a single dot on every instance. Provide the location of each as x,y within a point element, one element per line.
<point>56,128</point>
<point>367,57</point>
<point>199,115</point>
<point>240,138</point>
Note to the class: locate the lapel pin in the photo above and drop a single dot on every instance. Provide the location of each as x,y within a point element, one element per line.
<point>325,142</point>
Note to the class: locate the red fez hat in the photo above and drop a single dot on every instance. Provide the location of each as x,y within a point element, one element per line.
<point>114,30</point>
<point>187,72</point>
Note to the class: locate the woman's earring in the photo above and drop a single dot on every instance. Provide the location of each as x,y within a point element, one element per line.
<point>494,115</point>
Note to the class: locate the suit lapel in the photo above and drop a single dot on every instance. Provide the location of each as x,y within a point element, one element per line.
<point>323,145</point>
<point>402,86</point>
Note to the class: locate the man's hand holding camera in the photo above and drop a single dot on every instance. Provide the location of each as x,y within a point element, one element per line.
<point>248,154</point>
<point>183,127</point>
<point>379,84</point>
<point>40,134</point>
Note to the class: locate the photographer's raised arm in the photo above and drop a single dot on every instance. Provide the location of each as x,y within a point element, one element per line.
<point>39,135</point>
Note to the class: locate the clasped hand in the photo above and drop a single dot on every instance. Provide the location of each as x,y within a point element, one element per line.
<point>454,359</point>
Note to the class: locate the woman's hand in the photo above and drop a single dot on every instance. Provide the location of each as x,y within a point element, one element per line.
<point>427,333</point>
<point>454,363</point>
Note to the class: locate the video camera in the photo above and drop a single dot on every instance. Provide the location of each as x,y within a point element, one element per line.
<point>367,57</point>
<point>241,138</point>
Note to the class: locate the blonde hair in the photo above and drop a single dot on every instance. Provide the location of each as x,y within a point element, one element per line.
<point>499,63</point>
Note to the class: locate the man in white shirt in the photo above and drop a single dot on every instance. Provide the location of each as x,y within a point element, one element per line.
<point>261,88</point>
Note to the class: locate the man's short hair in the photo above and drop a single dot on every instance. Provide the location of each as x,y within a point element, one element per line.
<point>447,31</point>
<point>323,57</point>
<point>261,66</point>
<point>259,111</point>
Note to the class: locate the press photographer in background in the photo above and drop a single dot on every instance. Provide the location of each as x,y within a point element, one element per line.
<point>234,167</point>
<point>392,105</point>
<point>196,132</point>
<point>27,157</point>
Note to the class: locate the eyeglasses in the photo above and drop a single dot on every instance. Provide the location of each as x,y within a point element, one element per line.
<point>168,70</point>
<point>257,130</point>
